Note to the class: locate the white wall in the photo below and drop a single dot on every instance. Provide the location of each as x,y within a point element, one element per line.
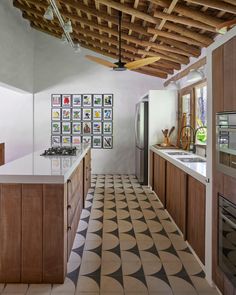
<point>16,48</point>
<point>16,118</point>
<point>60,70</point>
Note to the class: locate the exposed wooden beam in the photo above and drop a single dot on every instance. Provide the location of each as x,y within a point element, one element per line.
<point>136,28</point>
<point>188,12</point>
<point>216,4</point>
<point>184,21</point>
<point>175,37</point>
<point>174,57</point>
<point>185,72</point>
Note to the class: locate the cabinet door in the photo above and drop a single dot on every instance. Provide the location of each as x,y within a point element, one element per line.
<point>151,169</point>
<point>87,173</point>
<point>176,184</point>
<point>196,217</point>
<point>230,75</point>
<point>160,178</point>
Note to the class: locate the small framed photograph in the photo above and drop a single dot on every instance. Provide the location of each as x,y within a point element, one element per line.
<point>56,100</point>
<point>66,141</point>
<point>87,100</point>
<point>87,128</point>
<point>87,139</point>
<point>56,114</point>
<point>76,100</point>
<point>76,140</point>
<point>56,127</point>
<point>66,100</point>
<point>97,100</point>
<point>76,127</point>
<point>97,127</point>
<point>107,142</point>
<point>107,114</point>
<point>76,114</point>
<point>87,114</point>
<point>108,100</point>
<point>66,127</point>
<point>107,128</point>
<point>66,114</point>
<point>97,114</point>
<point>97,142</point>
<point>56,141</point>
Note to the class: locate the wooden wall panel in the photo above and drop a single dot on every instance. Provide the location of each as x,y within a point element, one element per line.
<point>32,233</point>
<point>10,232</point>
<point>54,266</point>
<point>229,77</point>
<point>218,105</point>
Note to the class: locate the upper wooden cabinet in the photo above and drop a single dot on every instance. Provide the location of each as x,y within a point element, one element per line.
<point>176,189</point>
<point>159,179</point>
<point>230,75</point>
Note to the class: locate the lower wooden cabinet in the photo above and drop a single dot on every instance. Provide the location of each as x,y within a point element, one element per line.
<point>159,178</point>
<point>176,191</point>
<point>196,200</point>
<point>2,154</point>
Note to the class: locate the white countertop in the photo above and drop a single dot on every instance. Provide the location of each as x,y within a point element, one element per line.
<point>196,170</point>
<point>34,168</point>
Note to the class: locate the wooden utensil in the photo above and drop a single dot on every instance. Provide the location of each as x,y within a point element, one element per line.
<point>171,130</point>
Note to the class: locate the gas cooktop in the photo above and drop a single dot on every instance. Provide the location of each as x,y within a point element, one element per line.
<point>60,151</point>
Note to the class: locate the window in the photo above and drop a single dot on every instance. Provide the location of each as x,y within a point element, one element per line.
<point>193,109</point>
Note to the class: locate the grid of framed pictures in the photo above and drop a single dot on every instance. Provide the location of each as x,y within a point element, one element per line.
<point>78,118</point>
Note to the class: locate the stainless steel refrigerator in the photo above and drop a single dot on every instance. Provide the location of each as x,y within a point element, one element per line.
<point>141,142</point>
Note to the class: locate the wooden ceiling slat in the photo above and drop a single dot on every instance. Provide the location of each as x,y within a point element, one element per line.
<point>216,4</point>
<point>187,11</point>
<point>184,21</point>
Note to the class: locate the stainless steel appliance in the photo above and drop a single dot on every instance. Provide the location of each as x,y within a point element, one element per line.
<point>227,238</point>
<point>141,138</point>
<point>60,151</point>
<point>226,142</point>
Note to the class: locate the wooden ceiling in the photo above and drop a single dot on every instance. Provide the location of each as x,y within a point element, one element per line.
<point>175,30</point>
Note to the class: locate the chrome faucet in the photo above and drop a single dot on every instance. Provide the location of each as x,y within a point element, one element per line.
<point>191,137</point>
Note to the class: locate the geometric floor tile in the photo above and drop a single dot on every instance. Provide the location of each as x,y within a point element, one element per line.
<point>126,244</point>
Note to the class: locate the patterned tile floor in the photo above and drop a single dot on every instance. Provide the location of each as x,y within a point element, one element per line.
<point>125,244</point>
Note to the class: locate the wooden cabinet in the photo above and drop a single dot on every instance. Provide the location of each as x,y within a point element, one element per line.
<point>151,169</point>
<point>176,189</point>
<point>87,173</point>
<point>74,203</point>
<point>2,154</point>
<point>159,178</point>
<point>229,75</point>
<point>196,198</point>
<point>38,223</point>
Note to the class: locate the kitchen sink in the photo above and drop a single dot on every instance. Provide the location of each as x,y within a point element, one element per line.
<point>177,153</point>
<point>192,160</point>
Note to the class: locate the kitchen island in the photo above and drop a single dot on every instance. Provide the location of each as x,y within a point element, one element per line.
<point>41,199</point>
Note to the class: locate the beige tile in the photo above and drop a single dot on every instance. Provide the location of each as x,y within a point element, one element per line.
<point>181,285</point>
<point>201,285</point>
<point>151,267</point>
<point>132,285</point>
<point>16,288</point>
<point>127,244</point>
<point>147,256</point>
<point>130,267</point>
<point>157,285</point>
<point>110,256</point>
<point>2,287</point>
<point>86,284</point>
<point>89,266</point>
<point>87,293</point>
<point>67,287</point>
<point>109,267</point>
<point>109,225</point>
<point>124,226</point>
<point>172,267</point>
<point>40,288</point>
<point>90,256</point>
<point>127,256</point>
<point>139,226</point>
<point>109,241</point>
<point>92,244</point>
<point>110,285</point>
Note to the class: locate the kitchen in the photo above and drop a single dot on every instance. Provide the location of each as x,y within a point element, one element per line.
<point>162,241</point>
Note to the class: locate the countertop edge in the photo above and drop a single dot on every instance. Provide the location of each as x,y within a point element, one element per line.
<point>44,179</point>
<point>181,166</point>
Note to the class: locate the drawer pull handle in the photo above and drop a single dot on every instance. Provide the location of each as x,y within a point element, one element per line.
<point>69,181</point>
<point>69,207</point>
<point>69,227</point>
